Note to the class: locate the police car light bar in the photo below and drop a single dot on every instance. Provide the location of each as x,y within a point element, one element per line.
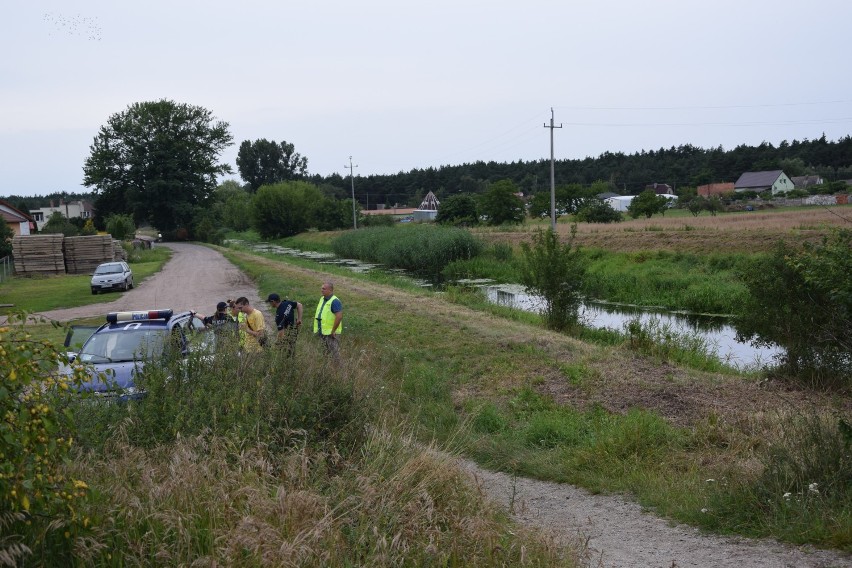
<point>117,317</point>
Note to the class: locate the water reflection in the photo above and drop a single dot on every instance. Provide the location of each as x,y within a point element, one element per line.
<point>716,330</point>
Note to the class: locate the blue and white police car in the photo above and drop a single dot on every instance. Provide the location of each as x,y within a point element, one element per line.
<point>115,353</point>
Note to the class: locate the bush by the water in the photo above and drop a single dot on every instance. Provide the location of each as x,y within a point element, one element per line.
<point>422,249</point>
<point>801,300</point>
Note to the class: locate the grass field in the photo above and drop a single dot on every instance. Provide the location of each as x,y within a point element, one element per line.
<point>729,453</point>
<point>41,293</point>
<point>741,232</point>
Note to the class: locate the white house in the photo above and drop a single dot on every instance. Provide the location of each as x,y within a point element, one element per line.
<point>69,210</point>
<point>776,181</point>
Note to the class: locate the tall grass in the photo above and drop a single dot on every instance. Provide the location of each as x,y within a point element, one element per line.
<point>208,500</point>
<point>424,250</point>
<point>703,284</point>
<point>279,462</point>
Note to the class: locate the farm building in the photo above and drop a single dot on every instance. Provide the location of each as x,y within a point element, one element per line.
<point>775,181</point>
<point>619,202</point>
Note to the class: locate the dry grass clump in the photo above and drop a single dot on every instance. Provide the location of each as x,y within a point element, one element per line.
<point>213,501</point>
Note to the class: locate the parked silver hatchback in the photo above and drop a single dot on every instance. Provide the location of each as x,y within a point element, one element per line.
<point>112,276</point>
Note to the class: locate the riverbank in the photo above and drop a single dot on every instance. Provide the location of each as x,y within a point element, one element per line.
<point>544,405</point>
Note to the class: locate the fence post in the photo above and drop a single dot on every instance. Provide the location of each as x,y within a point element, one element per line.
<point>5,267</point>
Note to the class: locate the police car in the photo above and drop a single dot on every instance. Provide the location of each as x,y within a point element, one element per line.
<point>115,352</point>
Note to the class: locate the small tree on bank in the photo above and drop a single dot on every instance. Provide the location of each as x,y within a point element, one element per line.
<point>801,300</point>
<point>555,272</point>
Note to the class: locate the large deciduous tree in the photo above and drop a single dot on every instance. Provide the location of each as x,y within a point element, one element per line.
<point>501,204</point>
<point>266,162</point>
<point>288,208</point>
<point>458,210</point>
<point>158,161</point>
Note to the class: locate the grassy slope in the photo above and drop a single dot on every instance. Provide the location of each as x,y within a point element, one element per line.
<point>524,391</point>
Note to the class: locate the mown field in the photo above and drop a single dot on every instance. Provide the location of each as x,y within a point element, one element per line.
<point>678,231</point>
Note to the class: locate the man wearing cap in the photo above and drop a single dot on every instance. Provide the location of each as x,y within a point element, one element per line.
<point>219,317</point>
<point>222,323</point>
<point>288,320</point>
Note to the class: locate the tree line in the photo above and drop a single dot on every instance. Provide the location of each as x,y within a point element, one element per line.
<point>159,163</point>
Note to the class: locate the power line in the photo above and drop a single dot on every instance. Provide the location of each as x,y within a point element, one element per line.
<point>709,107</point>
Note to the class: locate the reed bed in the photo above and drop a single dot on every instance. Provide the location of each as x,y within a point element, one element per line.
<point>421,249</point>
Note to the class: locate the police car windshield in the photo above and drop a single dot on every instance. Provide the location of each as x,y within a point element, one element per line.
<point>124,345</point>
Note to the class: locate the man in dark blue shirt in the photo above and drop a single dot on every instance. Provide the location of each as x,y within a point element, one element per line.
<point>288,320</point>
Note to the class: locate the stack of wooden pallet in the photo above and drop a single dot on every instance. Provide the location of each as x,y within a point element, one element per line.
<point>84,254</point>
<point>38,254</point>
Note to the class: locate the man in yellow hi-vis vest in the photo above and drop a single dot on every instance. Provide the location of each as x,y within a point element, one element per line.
<point>328,319</point>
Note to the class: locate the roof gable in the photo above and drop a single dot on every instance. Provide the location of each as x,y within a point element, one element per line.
<point>758,179</point>
<point>12,214</point>
<point>430,202</point>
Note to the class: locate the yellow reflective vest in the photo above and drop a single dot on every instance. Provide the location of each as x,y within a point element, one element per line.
<point>327,317</point>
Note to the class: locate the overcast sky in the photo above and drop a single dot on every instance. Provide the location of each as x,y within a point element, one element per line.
<point>402,85</point>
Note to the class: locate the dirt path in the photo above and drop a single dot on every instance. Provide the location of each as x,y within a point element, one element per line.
<point>616,531</point>
<point>195,278</point>
<point>618,534</point>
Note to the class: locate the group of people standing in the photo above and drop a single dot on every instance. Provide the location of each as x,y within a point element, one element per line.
<point>251,326</point>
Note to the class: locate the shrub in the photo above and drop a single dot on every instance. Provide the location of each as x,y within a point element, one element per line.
<point>57,223</point>
<point>38,501</point>
<point>458,210</point>
<point>120,226</point>
<point>801,300</point>
<point>597,211</point>
<point>6,235</point>
<point>555,272</point>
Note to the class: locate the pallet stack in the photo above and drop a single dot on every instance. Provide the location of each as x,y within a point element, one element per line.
<point>38,254</point>
<point>84,254</point>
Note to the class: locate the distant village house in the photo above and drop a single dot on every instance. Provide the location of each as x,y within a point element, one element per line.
<point>21,223</point>
<point>660,188</point>
<point>775,181</point>
<point>69,210</point>
<point>804,182</point>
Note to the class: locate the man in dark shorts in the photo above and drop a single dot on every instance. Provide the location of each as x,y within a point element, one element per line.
<point>288,320</point>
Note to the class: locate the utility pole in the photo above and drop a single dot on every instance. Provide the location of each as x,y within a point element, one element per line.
<point>352,177</point>
<point>552,174</point>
